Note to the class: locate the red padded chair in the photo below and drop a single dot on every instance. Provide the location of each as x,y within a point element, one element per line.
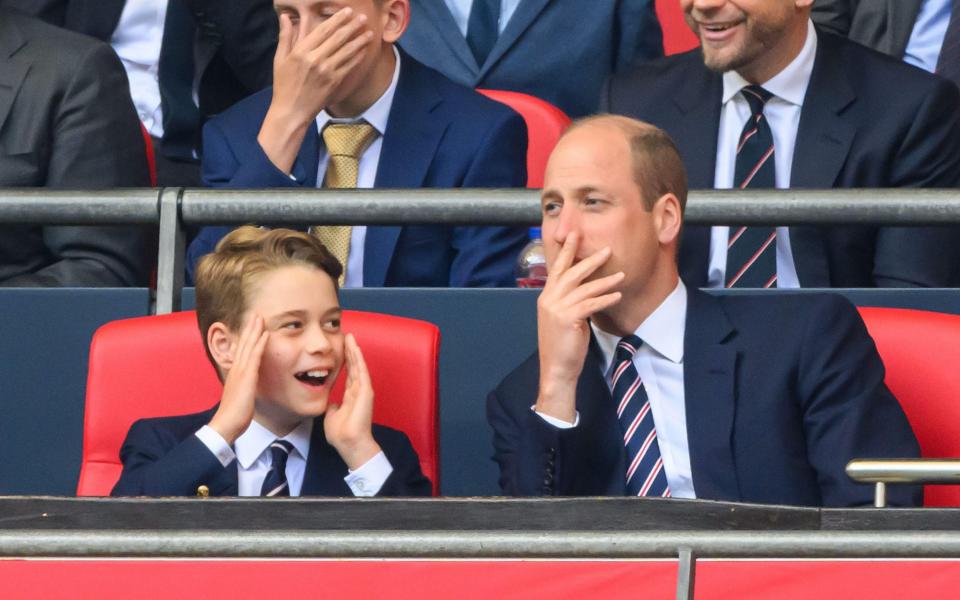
<point>545,122</point>
<point>156,366</point>
<point>677,36</point>
<point>921,353</point>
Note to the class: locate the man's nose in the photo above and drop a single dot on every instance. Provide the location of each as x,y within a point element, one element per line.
<point>567,221</point>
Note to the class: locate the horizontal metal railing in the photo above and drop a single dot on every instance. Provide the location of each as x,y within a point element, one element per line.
<point>913,470</point>
<point>172,208</point>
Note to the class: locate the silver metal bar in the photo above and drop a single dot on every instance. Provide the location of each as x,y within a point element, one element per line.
<point>914,470</point>
<point>521,207</point>
<point>85,207</point>
<point>480,544</point>
<point>880,495</point>
<point>171,253</point>
<point>686,574</point>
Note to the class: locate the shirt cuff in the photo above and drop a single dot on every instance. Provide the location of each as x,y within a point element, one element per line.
<point>370,476</point>
<point>558,423</point>
<point>216,444</point>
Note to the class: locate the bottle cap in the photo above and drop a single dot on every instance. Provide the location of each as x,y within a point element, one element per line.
<point>534,233</point>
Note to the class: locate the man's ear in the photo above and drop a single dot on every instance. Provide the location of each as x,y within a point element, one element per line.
<point>669,218</point>
<point>396,16</point>
<point>222,344</point>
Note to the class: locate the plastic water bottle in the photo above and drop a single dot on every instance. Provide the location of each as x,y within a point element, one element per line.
<point>531,268</point>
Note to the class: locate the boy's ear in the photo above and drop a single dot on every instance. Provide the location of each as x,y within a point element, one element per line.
<point>222,345</point>
<point>396,16</point>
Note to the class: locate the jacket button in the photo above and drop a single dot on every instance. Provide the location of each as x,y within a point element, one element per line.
<point>203,491</point>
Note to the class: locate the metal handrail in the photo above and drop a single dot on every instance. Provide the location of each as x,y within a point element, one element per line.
<point>907,470</point>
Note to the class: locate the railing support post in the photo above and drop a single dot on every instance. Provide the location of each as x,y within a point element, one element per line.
<point>170,258</point>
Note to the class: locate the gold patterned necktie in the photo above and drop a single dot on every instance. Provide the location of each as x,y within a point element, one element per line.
<point>345,143</point>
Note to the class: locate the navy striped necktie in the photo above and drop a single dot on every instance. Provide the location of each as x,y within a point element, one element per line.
<point>752,251</point>
<point>275,483</point>
<point>645,475</point>
<point>483,28</point>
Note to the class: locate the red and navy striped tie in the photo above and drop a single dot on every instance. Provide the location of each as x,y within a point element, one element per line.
<point>645,473</point>
<point>275,483</point>
<point>752,251</point>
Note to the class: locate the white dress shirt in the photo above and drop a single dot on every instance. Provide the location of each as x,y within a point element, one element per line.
<point>251,451</point>
<point>926,38</point>
<point>460,9</point>
<point>137,40</point>
<point>782,111</point>
<point>377,116</point>
<point>659,362</point>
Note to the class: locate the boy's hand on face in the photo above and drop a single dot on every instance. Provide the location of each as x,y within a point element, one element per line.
<point>307,71</point>
<point>563,331</point>
<point>348,427</point>
<point>240,388</point>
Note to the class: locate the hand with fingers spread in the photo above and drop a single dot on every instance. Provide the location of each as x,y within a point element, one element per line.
<point>240,388</point>
<point>307,71</point>
<point>348,427</point>
<point>564,307</point>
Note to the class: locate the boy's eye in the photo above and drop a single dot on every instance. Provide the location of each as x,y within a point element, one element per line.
<point>332,325</point>
<point>291,325</point>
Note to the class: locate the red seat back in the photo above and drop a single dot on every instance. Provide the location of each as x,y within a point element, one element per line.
<point>151,157</point>
<point>921,353</point>
<point>545,122</point>
<point>156,366</point>
<point>677,36</point>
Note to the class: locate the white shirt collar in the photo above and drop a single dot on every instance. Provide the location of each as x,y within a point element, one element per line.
<point>378,114</point>
<point>662,331</point>
<point>790,84</point>
<point>257,438</point>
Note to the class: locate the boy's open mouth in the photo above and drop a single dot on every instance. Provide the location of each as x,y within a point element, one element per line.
<point>316,377</point>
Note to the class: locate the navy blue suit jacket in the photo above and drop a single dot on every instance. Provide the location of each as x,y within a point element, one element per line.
<point>558,50</point>
<point>780,393</point>
<point>867,121</point>
<point>439,135</point>
<point>163,457</point>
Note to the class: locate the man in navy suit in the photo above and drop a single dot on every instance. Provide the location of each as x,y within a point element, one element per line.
<point>841,116</point>
<point>644,386</point>
<point>336,69</point>
<point>558,50</point>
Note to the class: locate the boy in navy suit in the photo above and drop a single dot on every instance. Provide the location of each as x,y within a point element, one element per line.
<point>268,310</point>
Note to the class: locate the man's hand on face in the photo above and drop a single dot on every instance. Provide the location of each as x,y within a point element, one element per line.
<point>240,388</point>
<point>563,331</point>
<point>348,426</point>
<point>307,71</point>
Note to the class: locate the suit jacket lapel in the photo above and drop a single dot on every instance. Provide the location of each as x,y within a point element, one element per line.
<point>97,18</point>
<point>824,136</point>
<point>414,132</point>
<point>709,375</point>
<point>325,470</point>
<point>11,71</point>
<point>308,158</point>
<point>522,18</point>
<point>448,31</point>
<point>598,417</point>
<point>901,16</point>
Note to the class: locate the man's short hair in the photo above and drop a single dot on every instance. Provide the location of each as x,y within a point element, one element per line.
<point>225,277</point>
<point>657,166</point>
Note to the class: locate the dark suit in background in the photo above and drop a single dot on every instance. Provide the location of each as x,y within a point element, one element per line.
<point>780,393</point>
<point>867,121</point>
<point>163,457</point>
<point>883,25</point>
<point>559,50</point>
<point>66,121</point>
<point>234,43</point>
<point>439,135</point>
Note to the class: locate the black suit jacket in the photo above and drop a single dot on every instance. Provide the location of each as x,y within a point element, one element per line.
<point>163,457</point>
<point>867,121</point>
<point>234,42</point>
<point>883,25</point>
<point>780,393</point>
<point>66,121</point>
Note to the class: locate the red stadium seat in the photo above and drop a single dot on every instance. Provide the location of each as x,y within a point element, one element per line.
<point>921,353</point>
<point>545,123</point>
<point>156,366</point>
<point>677,37</point>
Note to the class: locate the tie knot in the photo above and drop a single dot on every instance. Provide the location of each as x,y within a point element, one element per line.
<point>756,97</point>
<point>279,451</point>
<point>627,348</point>
<point>348,139</point>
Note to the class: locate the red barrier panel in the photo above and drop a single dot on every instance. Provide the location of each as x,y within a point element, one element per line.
<point>356,580</point>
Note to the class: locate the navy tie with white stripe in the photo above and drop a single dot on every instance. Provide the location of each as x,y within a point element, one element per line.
<point>645,474</point>
<point>752,251</point>
<point>275,483</point>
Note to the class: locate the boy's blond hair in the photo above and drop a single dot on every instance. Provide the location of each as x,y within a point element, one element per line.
<point>225,277</point>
